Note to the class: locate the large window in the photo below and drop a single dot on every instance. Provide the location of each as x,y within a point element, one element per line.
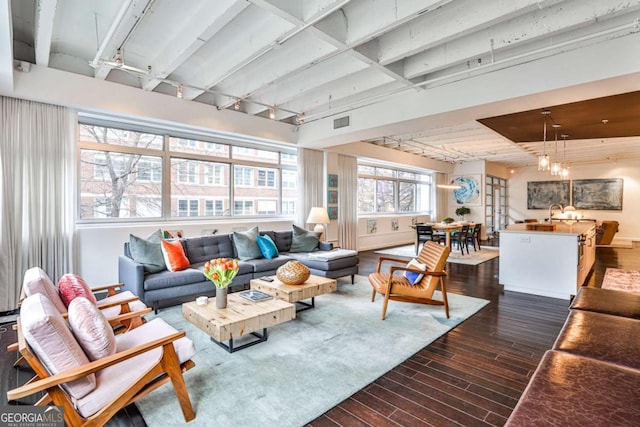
<point>387,190</point>
<point>123,173</point>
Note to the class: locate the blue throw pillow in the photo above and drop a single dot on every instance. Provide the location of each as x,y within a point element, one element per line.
<point>267,247</point>
<point>414,277</point>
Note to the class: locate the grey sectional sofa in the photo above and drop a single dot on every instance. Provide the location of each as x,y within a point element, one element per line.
<point>167,288</point>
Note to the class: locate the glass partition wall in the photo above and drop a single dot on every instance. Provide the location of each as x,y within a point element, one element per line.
<point>496,206</point>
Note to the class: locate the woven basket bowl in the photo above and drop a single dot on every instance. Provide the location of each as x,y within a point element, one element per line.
<point>293,273</point>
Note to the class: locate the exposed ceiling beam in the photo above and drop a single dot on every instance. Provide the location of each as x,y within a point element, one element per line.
<point>43,30</point>
<point>461,17</point>
<point>6,46</point>
<point>332,28</point>
<point>506,35</point>
<point>197,30</point>
<point>298,27</point>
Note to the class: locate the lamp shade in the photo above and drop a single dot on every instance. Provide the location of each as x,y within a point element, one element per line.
<point>318,215</point>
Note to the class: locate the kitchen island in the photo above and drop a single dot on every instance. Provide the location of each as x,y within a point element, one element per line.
<point>552,263</point>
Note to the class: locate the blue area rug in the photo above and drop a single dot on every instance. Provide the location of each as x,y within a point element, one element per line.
<point>308,365</point>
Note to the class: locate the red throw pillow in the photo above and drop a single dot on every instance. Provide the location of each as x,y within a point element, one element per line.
<point>174,256</point>
<point>71,286</point>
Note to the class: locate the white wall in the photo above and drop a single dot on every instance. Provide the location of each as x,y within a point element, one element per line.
<point>629,228</point>
<point>385,236</point>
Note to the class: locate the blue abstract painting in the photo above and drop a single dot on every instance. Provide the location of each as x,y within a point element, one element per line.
<point>469,191</point>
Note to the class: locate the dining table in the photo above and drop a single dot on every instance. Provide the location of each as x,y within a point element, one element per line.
<point>441,226</point>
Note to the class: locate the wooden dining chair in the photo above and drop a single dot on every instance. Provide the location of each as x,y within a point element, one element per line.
<point>393,285</point>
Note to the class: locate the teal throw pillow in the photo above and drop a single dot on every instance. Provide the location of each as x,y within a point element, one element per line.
<point>303,240</point>
<point>246,244</point>
<point>147,251</point>
<point>267,247</point>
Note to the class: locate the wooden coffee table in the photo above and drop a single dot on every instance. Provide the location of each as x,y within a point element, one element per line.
<point>314,286</point>
<point>241,317</point>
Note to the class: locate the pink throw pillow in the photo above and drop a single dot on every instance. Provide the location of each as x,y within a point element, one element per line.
<point>71,286</point>
<point>91,329</point>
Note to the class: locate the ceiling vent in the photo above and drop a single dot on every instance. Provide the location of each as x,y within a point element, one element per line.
<point>341,122</point>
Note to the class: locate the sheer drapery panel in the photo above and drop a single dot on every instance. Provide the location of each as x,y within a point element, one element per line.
<point>310,182</point>
<point>348,202</point>
<point>36,191</point>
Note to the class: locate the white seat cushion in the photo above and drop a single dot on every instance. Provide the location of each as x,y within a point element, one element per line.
<point>113,380</point>
<point>157,328</point>
<point>110,312</point>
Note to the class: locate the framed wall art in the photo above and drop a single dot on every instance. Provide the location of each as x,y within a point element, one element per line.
<point>332,180</point>
<point>541,194</point>
<point>372,226</point>
<point>333,212</point>
<point>332,196</point>
<point>469,192</point>
<point>598,194</point>
<point>395,225</point>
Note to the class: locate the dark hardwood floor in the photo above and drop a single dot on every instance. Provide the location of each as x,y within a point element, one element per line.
<point>471,376</point>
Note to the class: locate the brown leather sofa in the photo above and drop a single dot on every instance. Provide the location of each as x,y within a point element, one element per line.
<point>606,232</point>
<point>591,376</point>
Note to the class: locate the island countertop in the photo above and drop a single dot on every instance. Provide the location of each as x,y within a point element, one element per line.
<point>561,228</point>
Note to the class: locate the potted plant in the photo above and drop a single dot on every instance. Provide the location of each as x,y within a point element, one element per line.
<point>448,220</point>
<point>462,211</point>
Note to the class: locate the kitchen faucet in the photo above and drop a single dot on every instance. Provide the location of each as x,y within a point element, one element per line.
<point>551,209</point>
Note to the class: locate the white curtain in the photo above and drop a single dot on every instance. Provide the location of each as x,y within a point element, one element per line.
<point>347,202</point>
<point>36,192</point>
<point>442,199</point>
<point>310,182</point>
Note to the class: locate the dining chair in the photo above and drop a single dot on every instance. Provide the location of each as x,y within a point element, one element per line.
<point>460,238</point>
<point>424,233</point>
<point>473,237</point>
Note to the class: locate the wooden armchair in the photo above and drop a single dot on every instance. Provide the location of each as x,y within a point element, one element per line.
<point>393,285</point>
<point>114,304</point>
<point>92,392</point>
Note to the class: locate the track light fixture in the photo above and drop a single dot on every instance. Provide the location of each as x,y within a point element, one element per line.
<point>180,91</point>
<point>236,106</point>
<point>272,113</point>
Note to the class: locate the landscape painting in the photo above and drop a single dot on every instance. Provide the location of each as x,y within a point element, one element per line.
<point>541,194</point>
<point>598,194</point>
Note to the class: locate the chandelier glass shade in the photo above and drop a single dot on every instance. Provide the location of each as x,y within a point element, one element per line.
<point>544,162</point>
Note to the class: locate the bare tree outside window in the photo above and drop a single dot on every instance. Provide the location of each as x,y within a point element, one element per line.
<point>112,181</point>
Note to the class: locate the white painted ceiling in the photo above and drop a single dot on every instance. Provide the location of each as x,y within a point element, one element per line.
<point>306,59</point>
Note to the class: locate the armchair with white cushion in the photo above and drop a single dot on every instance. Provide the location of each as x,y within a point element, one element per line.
<point>91,372</point>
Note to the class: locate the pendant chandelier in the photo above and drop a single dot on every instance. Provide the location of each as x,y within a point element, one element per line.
<point>556,166</point>
<point>564,173</point>
<point>543,159</point>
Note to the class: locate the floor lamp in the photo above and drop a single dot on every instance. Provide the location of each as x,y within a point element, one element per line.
<point>319,217</point>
